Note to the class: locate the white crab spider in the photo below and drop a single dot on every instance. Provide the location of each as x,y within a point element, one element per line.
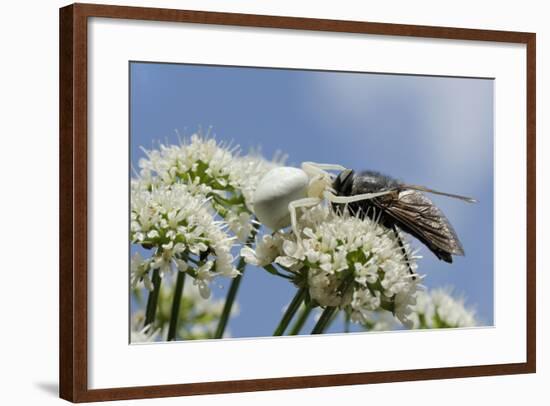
<point>284,189</point>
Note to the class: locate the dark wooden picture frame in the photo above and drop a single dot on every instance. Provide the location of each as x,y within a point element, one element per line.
<point>73,360</point>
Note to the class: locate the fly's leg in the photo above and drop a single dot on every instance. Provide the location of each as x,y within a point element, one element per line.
<point>403,250</point>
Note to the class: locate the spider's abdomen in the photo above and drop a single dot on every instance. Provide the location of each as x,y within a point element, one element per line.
<point>276,190</point>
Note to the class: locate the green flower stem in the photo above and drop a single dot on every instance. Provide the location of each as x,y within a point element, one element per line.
<point>176,305</point>
<point>290,311</point>
<point>233,289</point>
<point>272,270</point>
<point>231,294</point>
<point>153,299</point>
<point>301,320</point>
<point>324,320</point>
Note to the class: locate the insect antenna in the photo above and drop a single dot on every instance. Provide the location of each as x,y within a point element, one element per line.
<point>435,192</point>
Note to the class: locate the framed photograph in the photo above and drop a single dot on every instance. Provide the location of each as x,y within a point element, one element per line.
<point>255,202</point>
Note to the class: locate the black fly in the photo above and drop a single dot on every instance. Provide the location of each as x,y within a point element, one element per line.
<point>406,209</point>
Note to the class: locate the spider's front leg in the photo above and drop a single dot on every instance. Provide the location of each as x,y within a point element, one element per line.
<point>292,206</point>
<point>331,197</point>
<point>314,169</point>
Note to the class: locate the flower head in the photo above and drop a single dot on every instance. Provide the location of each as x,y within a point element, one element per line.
<point>345,261</point>
<point>439,309</point>
<point>179,226</point>
<point>190,203</point>
<point>214,170</point>
<point>200,161</point>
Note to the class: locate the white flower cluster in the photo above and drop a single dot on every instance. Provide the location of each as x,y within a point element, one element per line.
<point>199,158</point>
<point>439,309</point>
<point>345,261</point>
<point>193,199</point>
<point>213,170</point>
<point>176,224</point>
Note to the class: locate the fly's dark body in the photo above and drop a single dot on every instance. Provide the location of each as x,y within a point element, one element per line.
<point>406,209</point>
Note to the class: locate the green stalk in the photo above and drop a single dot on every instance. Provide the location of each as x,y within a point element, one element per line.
<point>290,312</point>
<point>231,294</point>
<point>176,305</point>
<point>324,320</point>
<point>346,322</point>
<point>233,289</point>
<point>152,299</point>
<point>301,320</point>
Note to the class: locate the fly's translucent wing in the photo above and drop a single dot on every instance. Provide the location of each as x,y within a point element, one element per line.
<point>415,214</point>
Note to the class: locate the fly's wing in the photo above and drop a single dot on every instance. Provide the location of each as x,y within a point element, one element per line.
<point>417,215</point>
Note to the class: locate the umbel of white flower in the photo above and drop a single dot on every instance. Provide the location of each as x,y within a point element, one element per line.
<point>436,308</point>
<point>190,203</point>
<point>211,169</point>
<point>439,309</point>
<point>182,232</point>
<point>344,261</point>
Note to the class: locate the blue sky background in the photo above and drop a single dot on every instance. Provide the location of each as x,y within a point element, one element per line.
<point>434,131</point>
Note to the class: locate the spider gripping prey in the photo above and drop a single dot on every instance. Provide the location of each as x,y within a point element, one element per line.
<point>395,205</point>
